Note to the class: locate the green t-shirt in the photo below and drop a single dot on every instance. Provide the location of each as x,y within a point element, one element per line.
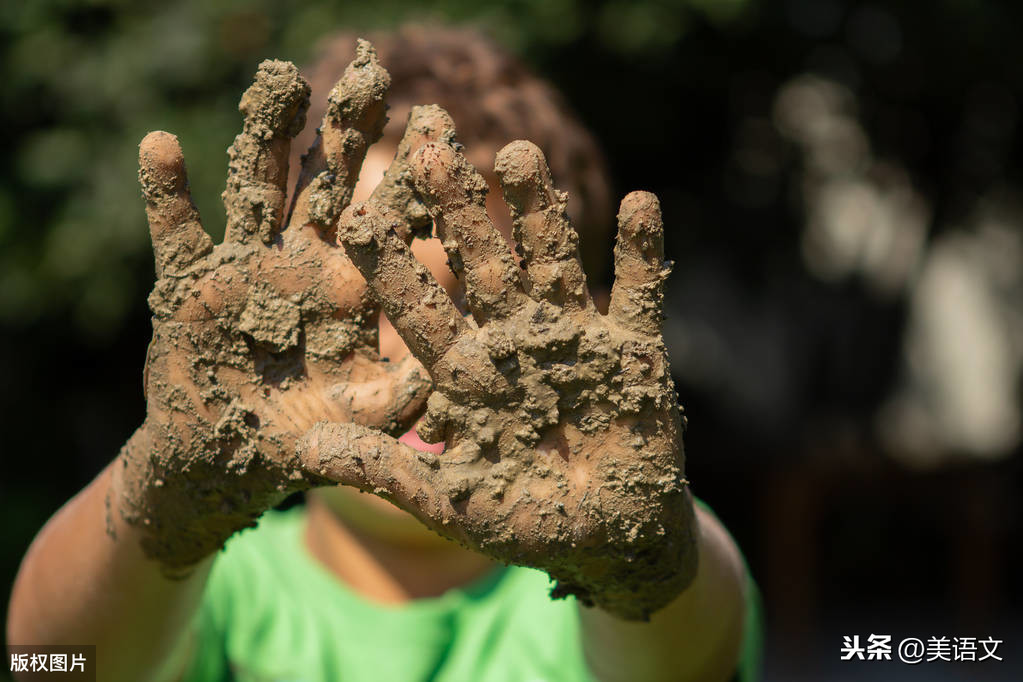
<point>272,612</point>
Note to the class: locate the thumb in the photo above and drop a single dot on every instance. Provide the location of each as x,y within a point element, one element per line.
<point>418,482</point>
<point>389,397</point>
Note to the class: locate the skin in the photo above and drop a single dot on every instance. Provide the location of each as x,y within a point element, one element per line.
<point>127,562</point>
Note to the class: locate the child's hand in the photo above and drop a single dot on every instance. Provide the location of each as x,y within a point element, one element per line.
<point>260,337</point>
<point>564,444</point>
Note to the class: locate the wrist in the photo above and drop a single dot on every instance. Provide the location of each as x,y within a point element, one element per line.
<point>696,635</point>
<point>147,499</point>
<point>123,483</point>
<point>656,566</point>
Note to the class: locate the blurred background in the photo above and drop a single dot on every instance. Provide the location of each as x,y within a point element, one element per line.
<point>843,188</point>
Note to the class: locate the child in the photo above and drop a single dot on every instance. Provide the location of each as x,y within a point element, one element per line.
<point>261,340</point>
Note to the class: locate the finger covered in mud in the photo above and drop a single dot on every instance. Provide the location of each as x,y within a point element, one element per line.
<point>413,480</point>
<point>174,226</point>
<point>274,108</point>
<point>637,297</point>
<point>455,194</point>
<point>420,310</point>
<point>426,124</point>
<point>355,119</point>
<point>549,244</point>
<point>387,396</point>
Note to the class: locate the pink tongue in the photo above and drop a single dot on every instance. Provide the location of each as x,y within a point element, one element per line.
<point>412,439</point>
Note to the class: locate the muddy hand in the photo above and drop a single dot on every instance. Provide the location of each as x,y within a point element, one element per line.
<point>260,337</point>
<point>564,447</point>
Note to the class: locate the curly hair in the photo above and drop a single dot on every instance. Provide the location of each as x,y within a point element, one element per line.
<point>493,100</point>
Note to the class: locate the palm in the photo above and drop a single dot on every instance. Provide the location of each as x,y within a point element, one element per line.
<point>563,432</point>
<point>255,329</point>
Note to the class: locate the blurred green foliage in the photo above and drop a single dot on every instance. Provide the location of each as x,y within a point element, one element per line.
<point>84,80</point>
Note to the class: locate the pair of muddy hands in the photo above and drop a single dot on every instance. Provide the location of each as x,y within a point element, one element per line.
<point>564,445</point>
